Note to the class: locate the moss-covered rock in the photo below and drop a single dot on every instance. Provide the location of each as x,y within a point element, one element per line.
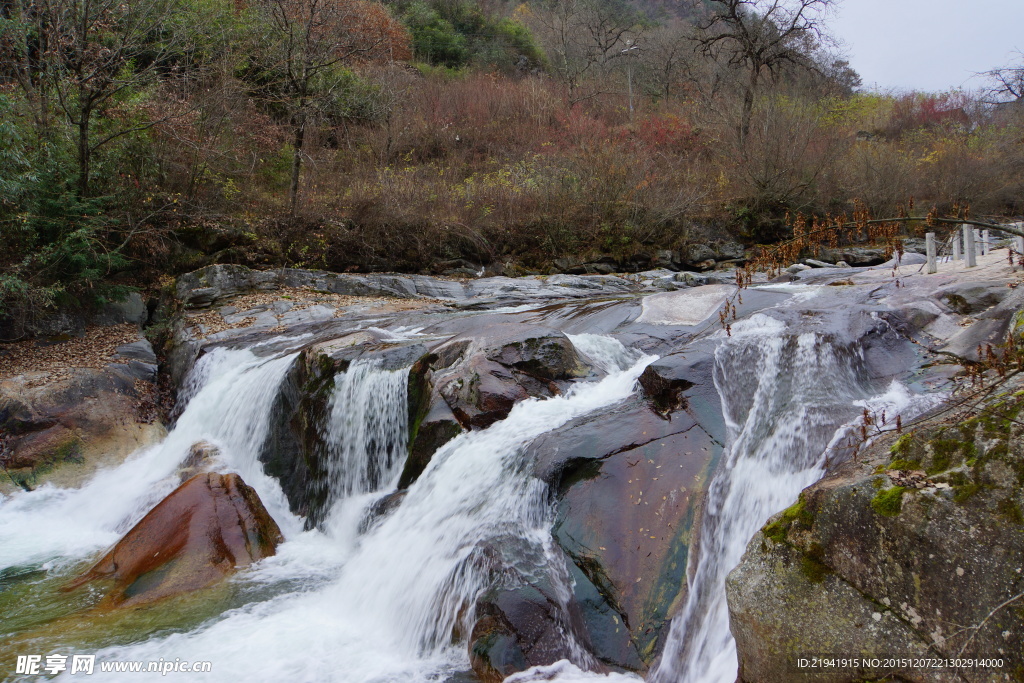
<point>884,558</point>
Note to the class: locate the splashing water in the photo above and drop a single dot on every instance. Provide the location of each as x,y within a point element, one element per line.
<point>390,604</point>
<point>787,401</point>
<point>367,431</point>
<point>231,391</point>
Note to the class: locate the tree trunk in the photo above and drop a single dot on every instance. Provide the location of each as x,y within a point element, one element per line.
<point>293,189</point>
<point>748,107</point>
<point>84,151</point>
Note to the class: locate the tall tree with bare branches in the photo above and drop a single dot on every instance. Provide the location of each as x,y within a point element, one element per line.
<point>89,57</point>
<point>300,49</point>
<point>762,37</point>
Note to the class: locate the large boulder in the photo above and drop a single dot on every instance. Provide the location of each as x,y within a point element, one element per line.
<point>432,423</point>
<point>295,451</point>
<point>629,496</point>
<point>915,550</point>
<point>629,481</point>
<point>204,530</point>
<point>482,377</point>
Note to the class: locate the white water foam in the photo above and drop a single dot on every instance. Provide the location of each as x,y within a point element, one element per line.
<point>788,402</point>
<point>403,593</point>
<point>367,432</point>
<point>232,392</point>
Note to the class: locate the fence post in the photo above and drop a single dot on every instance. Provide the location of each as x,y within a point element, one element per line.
<point>929,247</point>
<point>956,246</point>
<point>969,253</point>
<point>986,242</point>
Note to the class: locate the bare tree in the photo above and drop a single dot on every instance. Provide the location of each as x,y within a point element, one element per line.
<point>668,57</point>
<point>584,38</point>
<point>300,48</point>
<point>97,52</point>
<point>761,37</point>
<point>1007,83</point>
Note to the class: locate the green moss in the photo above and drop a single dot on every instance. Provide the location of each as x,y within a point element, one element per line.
<point>905,465</point>
<point>889,502</point>
<point>798,512</point>
<point>814,570</point>
<point>963,493</point>
<point>902,446</point>
<point>945,452</point>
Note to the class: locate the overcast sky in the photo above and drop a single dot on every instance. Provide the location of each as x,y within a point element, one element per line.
<point>928,44</point>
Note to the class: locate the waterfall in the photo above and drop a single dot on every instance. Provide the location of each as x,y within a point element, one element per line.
<point>367,430</point>
<point>229,396</point>
<point>786,400</point>
<point>394,603</point>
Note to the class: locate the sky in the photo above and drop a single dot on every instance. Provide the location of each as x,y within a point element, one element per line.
<point>928,45</point>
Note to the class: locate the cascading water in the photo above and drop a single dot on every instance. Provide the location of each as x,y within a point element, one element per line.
<point>231,392</point>
<point>786,400</point>
<point>387,603</point>
<point>367,430</point>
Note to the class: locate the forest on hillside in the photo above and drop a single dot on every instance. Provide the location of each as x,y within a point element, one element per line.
<point>144,139</point>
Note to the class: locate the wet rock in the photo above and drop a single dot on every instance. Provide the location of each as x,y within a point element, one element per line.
<point>293,451</point>
<point>797,268</point>
<point>481,392</point>
<point>915,548</point>
<point>626,521</point>
<point>200,458</point>
<point>438,427</point>
<point>63,430</point>
<point>543,353</point>
<point>628,484</point>
<point>664,387</point>
<point>494,652</point>
<point>381,508</point>
<point>432,423</point>
<point>814,263</point>
<point>510,362</point>
<point>204,530</point>
<point>972,297</point>
<point>518,628</point>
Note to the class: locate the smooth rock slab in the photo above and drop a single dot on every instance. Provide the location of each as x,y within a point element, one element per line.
<point>685,307</point>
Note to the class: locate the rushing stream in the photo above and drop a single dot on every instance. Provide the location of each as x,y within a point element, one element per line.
<point>393,600</point>
<point>786,400</point>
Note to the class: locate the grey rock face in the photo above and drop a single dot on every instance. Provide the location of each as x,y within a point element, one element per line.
<point>972,297</point>
<point>915,549</point>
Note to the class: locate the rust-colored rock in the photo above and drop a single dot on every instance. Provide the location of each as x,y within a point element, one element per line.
<point>204,530</point>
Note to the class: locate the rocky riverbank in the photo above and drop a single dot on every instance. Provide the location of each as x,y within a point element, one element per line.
<point>627,483</point>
